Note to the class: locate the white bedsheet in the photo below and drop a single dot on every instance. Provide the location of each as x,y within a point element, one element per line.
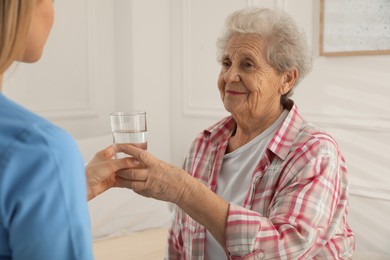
<point>150,245</point>
<point>122,211</point>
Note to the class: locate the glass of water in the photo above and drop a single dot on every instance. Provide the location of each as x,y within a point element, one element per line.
<point>129,128</point>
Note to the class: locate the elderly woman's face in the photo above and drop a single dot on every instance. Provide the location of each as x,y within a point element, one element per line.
<point>248,85</point>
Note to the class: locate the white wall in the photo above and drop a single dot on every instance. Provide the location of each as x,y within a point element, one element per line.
<point>102,56</point>
<point>143,66</point>
<point>159,55</point>
<point>74,83</point>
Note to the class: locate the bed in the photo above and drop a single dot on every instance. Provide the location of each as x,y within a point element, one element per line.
<point>128,226</point>
<point>143,245</point>
<point>150,245</point>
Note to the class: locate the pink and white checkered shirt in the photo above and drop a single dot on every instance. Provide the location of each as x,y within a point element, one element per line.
<point>295,208</point>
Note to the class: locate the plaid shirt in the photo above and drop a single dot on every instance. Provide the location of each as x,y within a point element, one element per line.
<point>296,207</point>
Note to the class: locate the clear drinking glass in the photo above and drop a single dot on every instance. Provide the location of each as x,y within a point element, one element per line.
<point>129,128</point>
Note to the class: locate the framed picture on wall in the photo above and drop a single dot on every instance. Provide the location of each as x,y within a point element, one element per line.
<point>354,27</point>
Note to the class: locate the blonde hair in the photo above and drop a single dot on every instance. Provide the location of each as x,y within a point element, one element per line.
<point>15,16</point>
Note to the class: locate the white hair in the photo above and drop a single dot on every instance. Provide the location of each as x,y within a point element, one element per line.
<point>286,46</point>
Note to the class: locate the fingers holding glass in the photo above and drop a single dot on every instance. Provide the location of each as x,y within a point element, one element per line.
<point>129,128</point>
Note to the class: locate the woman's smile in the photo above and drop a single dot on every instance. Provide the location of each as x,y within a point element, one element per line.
<point>235,93</point>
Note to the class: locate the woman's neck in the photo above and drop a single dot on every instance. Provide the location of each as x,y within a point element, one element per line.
<point>1,82</point>
<point>250,128</point>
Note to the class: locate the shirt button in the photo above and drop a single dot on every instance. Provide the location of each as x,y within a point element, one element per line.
<point>260,255</point>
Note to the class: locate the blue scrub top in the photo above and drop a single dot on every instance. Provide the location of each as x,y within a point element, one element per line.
<point>43,198</point>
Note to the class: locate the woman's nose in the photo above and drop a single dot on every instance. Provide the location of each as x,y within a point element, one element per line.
<point>232,74</point>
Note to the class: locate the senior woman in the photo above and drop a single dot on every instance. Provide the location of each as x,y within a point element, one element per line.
<point>261,183</point>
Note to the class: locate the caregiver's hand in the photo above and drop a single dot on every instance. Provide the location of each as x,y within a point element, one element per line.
<point>153,178</point>
<point>100,171</point>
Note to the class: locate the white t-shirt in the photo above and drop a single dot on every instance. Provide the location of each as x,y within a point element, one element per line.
<point>235,176</point>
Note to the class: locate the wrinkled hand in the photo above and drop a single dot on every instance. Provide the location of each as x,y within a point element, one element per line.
<point>100,171</point>
<point>153,178</point>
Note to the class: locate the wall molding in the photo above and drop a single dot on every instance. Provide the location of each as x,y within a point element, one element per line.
<point>362,123</point>
<point>190,109</point>
<point>89,108</point>
<point>92,60</point>
<point>371,192</point>
<point>277,4</point>
<point>186,56</point>
<point>66,114</point>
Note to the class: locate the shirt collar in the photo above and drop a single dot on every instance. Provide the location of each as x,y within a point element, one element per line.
<point>280,144</point>
<point>284,138</point>
<point>221,131</point>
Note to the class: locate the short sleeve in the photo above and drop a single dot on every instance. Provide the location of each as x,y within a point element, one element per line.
<point>43,197</point>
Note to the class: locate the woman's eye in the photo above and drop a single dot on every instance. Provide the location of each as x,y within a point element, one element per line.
<point>248,65</point>
<point>226,64</point>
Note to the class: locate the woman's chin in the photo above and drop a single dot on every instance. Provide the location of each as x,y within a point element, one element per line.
<point>31,57</point>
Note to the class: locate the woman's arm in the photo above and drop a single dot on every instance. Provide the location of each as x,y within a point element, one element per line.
<point>157,179</point>
<point>100,171</point>
<point>304,215</point>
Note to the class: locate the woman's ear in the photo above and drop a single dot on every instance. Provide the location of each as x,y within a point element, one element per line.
<point>288,81</point>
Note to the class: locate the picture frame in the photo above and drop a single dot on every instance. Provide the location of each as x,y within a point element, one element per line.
<point>354,27</point>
